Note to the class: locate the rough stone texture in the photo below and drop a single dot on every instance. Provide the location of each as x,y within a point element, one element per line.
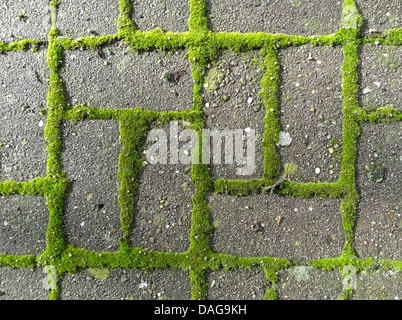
<point>298,17</point>
<point>162,220</point>
<point>121,78</point>
<point>308,228</point>
<point>378,285</point>
<point>23,89</point>
<point>238,285</point>
<point>22,284</point>
<point>311,112</point>
<point>76,19</point>
<point>305,283</point>
<point>23,225</point>
<point>380,75</point>
<point>378,229</point>
<point>379,16</point>
<point>170,15</point>
<point>229,84</point>
<point>21,20</point>
<point>121,284</point>
<point>90,159</point>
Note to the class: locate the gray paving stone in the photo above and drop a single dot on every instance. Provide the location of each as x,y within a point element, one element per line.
<point>378,285</point>
<point>311,112</point>
<point>124,79</point>
<point>162,220</point>
<point>378,229</point>
<point>305,283</point>
<point>170,15</point>
<point>23,90</point>
<point>232,102</point>
<point>298,17</point>
<point>121,284</point>
<point>23,225</point>
<point>22,284</point>
<point>90,159</point>
<point>379,16</point>
<point>236,285</point>
<point>380,74</point>
<point>87,17</point>
<point>21,20</point>
<point>307,228</point>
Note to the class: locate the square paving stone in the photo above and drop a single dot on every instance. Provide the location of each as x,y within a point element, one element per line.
<point>23,91</point>
<point>236,285</point>
<point>162,220</point>
<point>380,73</point>
<point>379,16</point>
<point>125,79</point>
<point>378,285</point>
<point>311,113</point>
<point>170,15</point>
<point>21,20</point>
<point>90,159</point>
<point>22,284</point>
<point>378,229</point>
<point>282,227</point>
<point>76,19</point>
<point>232,102</point>
<point>295,17</point>
<point>122,284</point>
<point>23,225</point>
<point>306,283</point>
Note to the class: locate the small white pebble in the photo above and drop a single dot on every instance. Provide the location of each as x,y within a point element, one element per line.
<point>367,90</point>
<point>317,170</point>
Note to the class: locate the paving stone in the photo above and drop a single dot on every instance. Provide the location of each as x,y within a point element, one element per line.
<point>162,220</point>
<point>124,79</point>
<point>311,112</point>
<point>380,74</point>
<point>232,102</point>
<point>23,90</point>
<point>87,17</point>
<point>378,285</point>
<point>90,159</point>
<point>379,16</point>
<point>23,225</point>
<point>22,284</point>
<point>307,228</point>
<point>298,17</point>
<point>236,285</point>
<point>378,229</point>
<point>122,284</point>
<point>20,20</point>
<point>306,283</point>
<point>170,15</point>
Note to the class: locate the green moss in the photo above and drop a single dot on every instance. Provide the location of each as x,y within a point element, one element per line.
<point>203,47</point>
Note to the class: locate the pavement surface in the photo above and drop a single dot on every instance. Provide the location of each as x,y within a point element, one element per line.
<point>85,216</point>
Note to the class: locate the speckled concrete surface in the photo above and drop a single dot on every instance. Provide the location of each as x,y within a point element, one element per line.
<point>262,245</point>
